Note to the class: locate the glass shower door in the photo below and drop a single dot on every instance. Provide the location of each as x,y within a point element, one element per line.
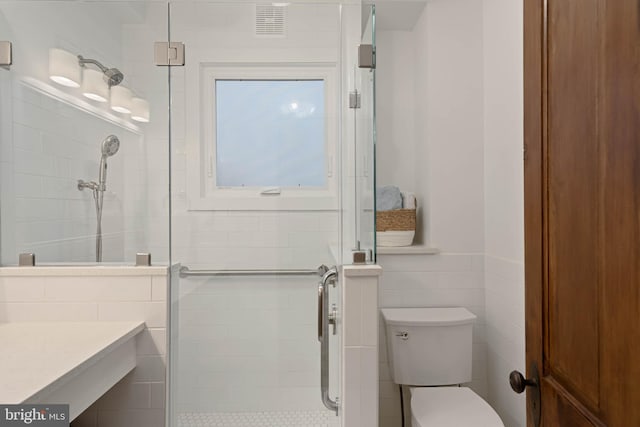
<point>57,128</point>
<point>365,140</point>
<point>255,212</point>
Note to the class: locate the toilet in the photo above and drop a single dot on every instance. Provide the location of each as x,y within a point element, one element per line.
<point>429,350</point>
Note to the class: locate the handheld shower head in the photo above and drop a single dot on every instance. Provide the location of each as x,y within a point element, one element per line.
<point>110,146</point>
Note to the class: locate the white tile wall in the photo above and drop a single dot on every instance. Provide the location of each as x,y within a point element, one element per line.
<point>360,346</point>
<point>444,280</point>
<point>47,144</point>
<point>52,146</point>
<point>138,399</point>
<point>247,345</point>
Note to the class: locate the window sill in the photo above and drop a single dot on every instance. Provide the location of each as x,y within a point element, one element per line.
<point>244,202</point>
<point>407,250</point>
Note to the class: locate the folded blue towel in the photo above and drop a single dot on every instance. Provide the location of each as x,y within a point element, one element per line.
<point>388,198</point>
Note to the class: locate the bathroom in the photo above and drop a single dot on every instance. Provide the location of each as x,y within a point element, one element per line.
<point>226,346</point>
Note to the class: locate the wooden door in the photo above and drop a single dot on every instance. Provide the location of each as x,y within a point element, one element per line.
<point>582,210</point>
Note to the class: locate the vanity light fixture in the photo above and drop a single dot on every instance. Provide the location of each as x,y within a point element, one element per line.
<point>70,70</point>
<point>64,68</point>
<point>94,86</point>
<point>121,99</point>
<point>140,110</point>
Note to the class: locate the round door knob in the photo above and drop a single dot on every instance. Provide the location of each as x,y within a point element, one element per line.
<point>519,382</point>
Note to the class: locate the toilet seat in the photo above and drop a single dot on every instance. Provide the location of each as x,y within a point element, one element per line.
<point>451,407</point>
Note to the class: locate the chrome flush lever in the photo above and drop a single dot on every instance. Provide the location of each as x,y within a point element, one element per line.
<point>403,335</point>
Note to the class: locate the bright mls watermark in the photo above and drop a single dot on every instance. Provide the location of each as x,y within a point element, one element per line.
<point>34,415</point>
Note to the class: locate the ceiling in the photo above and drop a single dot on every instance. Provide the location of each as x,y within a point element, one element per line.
<point>397,15</point>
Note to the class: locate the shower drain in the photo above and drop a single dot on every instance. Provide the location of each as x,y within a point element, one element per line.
<point>259,419</point>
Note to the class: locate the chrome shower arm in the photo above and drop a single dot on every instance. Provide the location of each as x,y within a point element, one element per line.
<point>113,76</point>
<point>82,60</point>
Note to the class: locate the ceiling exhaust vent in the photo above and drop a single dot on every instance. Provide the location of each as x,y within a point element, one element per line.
<point>270,20</point>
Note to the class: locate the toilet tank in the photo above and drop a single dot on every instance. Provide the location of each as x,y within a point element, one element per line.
<point>429,346</point>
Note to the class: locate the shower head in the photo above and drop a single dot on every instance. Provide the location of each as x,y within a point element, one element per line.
<point>110,146</point>
<point>113,76</point>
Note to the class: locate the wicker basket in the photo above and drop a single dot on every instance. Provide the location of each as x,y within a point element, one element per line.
<point>396,220</point>
<point>396,227</point>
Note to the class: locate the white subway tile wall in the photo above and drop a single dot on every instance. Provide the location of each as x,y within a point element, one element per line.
<point>247,345</point>
<point>242,344</point>
<point>52,146</point>
<point>445,280</point>
<point>360,382</point>
<point>138,399</point>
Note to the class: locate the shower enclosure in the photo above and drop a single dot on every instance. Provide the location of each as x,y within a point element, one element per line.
<point>110,146</point>
<point>245,158</point>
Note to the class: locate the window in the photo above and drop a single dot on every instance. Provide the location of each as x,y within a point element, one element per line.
<point>268,137</point>
<point>270,133</point>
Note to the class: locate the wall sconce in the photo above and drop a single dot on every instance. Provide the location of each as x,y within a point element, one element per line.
<point>121,99</point>
<point>64,68</point>
<point>140,110</point>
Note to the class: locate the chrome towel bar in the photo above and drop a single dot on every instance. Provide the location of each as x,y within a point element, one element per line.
<point>187,272</point>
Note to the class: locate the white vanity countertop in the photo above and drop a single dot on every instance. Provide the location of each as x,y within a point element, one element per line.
<point>37,358</point>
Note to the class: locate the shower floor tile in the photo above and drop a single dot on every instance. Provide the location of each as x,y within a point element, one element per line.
<point>259,419</point>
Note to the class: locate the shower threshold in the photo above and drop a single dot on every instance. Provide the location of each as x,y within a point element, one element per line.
<point>259,419</point>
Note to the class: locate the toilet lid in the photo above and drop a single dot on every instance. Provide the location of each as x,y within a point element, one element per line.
<point>451,407</point>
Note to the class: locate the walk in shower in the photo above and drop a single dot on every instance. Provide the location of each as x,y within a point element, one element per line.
<point>240,150</point>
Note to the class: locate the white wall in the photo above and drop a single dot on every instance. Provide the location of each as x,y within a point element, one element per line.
<point>453,125</point>
<point>460,69</point>
<point>395,108</point>
<point>504,207</point>
<point>439,155</point>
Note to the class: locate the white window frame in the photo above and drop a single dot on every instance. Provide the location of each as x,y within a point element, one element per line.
<point>202,191</point>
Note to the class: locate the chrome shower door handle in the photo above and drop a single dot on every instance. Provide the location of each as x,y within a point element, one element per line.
<point>320,306</point>
<point>323,335</point>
